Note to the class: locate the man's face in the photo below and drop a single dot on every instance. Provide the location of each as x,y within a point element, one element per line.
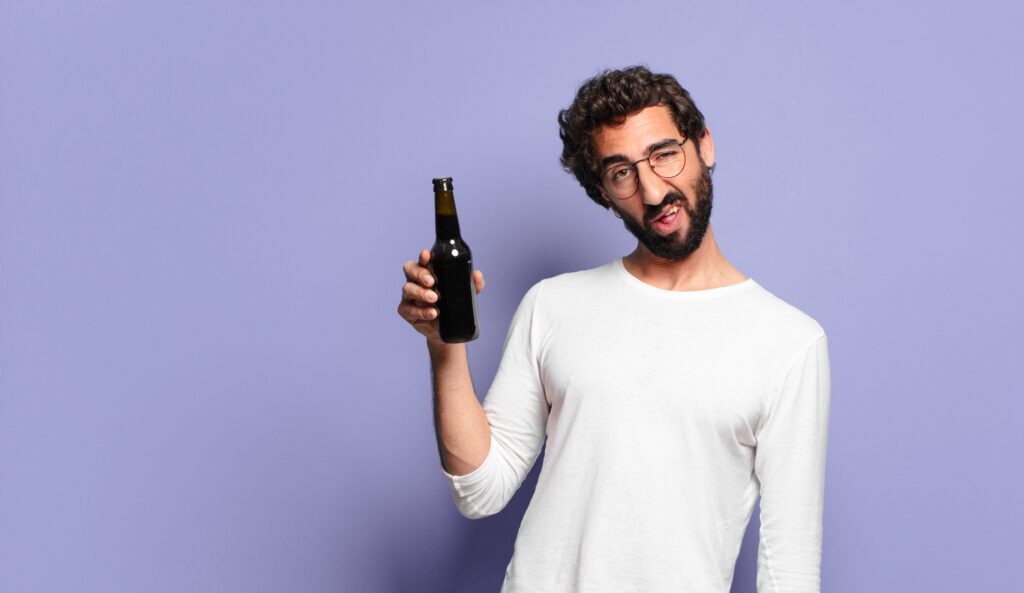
<point>645,214</point>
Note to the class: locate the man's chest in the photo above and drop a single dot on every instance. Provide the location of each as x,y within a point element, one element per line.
<point>647,373</point>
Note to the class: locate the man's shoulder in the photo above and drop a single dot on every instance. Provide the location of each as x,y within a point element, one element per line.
<point>573,283</point>
<point>573,279</point>
<point>780,318</point>
<point>559,294</point>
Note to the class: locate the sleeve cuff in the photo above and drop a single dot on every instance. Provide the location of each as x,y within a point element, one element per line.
<point>471,482</point>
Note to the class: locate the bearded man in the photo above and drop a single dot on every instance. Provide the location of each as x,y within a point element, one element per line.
<point>671,389</point>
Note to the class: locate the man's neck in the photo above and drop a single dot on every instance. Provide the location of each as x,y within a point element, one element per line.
<point>705,268</point>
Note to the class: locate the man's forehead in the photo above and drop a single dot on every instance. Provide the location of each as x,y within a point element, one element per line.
<point>636,131</point>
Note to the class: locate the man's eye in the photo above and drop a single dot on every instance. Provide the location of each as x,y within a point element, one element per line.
<point>621,174</point>
<point>666,155</point>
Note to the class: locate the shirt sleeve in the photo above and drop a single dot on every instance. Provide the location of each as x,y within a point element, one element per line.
<point>517,411</point>
<point>790,466</point>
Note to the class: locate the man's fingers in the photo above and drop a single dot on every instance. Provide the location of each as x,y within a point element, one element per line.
<point>417,297</point>
<point>427,279</point>
<point>478,280</point>
<point>417,273</point>
<point>412,313</point>
<point>409,268</point>
<point>415,292</point>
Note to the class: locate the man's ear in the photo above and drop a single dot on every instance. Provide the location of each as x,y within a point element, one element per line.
<point>611,205</point>
<point>608,201</point>
<point>707,148</point>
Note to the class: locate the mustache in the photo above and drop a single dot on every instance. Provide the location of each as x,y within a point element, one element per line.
<point>652,212</point>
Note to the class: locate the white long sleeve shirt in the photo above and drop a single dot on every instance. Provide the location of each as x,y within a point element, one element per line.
<point>666,414</point>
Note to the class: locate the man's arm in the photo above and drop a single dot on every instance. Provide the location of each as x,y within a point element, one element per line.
<point>460,425</point>
<point>790,465</point>
<point>461,428</point>
<point>485,450</point>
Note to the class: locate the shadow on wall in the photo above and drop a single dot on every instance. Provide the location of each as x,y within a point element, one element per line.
<point>473,560</point>
<point>486,545</point>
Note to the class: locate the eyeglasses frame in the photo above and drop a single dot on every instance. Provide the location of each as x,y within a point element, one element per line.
<point>636,173</point>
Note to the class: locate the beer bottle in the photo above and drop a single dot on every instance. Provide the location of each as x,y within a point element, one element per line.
<point>452,266</point>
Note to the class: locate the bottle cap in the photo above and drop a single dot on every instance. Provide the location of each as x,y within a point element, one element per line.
<point>442,184</point>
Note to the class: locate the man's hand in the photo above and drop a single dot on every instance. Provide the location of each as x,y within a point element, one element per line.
<point>418,298</point>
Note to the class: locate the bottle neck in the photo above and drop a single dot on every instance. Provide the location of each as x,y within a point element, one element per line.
<point>446,220</point>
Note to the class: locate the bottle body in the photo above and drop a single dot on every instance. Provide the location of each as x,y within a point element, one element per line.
<point>451,264</point>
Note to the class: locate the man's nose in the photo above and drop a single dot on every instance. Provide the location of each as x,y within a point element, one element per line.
<point>651,186</point>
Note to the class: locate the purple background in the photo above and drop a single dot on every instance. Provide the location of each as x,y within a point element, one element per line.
<point>205,206</point>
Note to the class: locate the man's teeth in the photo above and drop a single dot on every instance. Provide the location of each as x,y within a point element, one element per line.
<point>670,212</point>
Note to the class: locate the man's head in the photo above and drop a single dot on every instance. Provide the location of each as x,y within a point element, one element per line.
<point>607,99</point>
<point>638,145</point>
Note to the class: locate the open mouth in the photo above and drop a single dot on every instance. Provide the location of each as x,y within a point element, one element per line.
<point>665,221</point>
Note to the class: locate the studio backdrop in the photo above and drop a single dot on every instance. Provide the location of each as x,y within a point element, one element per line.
<point>205,208</point>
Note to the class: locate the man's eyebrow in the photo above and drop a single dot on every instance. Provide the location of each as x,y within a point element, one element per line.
<point>621,158</point>
<point>661,144</point>
<point>612,159</point>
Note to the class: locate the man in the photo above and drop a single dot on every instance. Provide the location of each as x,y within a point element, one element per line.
<point>671,389</point>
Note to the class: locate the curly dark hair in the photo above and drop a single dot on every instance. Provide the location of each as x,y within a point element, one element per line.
<point>609,98</point>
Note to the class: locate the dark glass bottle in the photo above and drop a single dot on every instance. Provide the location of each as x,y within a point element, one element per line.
<point>451,263</point>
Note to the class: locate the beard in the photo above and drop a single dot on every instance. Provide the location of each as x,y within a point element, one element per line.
<point>671,246</point>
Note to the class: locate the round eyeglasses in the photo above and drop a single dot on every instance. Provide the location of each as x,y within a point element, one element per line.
<point>621,180</point>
